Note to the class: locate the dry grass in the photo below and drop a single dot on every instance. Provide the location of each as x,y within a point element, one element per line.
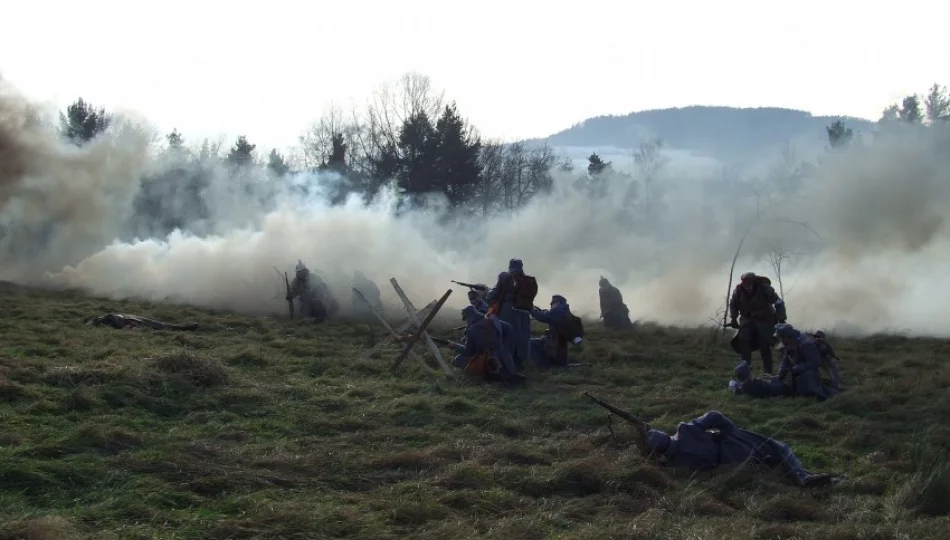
<point>264,428</point>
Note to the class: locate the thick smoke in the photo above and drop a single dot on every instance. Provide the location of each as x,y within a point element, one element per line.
<point>862,238</point>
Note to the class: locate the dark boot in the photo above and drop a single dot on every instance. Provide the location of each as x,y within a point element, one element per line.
<point>767,360</point>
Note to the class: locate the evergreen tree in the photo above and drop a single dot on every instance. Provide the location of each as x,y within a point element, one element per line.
<point>276,164</point>
<point>937,104</point>
<point>596,165</point>
<point>175,139</point>
<point>838,134</point>
<point>336,161</point>
<point>417,147</point>
<point>457,148</point>
<point>910,110</point>
<point>890,115</point>
<point>242,154</point>
<point>83,122</point>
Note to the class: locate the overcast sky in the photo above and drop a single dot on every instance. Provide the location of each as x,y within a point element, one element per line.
<point>517,68</point>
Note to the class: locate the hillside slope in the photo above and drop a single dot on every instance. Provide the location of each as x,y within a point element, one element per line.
<point>265,428</point>
<point>725,133</point>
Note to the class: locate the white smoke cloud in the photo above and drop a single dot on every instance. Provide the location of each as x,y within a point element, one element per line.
<point>867,234</point>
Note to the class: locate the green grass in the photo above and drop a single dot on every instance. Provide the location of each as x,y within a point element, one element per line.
<point>266,428</point>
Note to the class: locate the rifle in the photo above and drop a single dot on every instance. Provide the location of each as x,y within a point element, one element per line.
<point>640,424</point>
<point>290,301</point>
<point>472,286</point>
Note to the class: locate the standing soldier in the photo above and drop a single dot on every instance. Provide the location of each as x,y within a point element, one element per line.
<point>760,308</point>
<point>613,311</point>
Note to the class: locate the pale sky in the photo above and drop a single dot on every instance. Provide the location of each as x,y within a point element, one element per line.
<point>517,68</point>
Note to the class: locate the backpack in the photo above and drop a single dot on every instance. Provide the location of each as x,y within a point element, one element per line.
<point>482,364</point>
<point>526,290</point>
<point>828,370</point>
<point>571,328</point>
<point>478,365</point>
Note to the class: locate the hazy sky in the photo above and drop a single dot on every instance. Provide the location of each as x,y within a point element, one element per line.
<point>517,68</point>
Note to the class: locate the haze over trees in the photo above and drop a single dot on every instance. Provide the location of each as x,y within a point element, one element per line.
<point>411,139</point>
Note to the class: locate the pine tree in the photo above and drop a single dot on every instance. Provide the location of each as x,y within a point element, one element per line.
<point>596,165</point>
<point>276,164</point>
<point>417,156</point>
<point>242,154</point>
<point>838,134</point>
<point>457,148</point>
<point>83,122</point>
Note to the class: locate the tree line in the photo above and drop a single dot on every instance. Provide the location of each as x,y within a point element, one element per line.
<point>410,138</point>
<point>914,110</point>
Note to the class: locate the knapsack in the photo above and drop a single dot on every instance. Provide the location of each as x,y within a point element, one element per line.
<point>825,348</point>
<point>482,363</point>
<point>571,328</point>
<point>828,370</point>
<point>526,290</point>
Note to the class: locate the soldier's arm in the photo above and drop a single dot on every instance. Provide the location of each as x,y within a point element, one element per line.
<point>779,304</point>
<point>784,367</point>
<point>811,358</point>
<point>714,420</point>
<point>734,304</point>
<point>295,287</point>
<point>470,348</point>
<point>542,316</point>
<point>504,280</point>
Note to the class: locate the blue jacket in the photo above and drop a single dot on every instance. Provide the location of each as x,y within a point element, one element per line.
<point>491,334</point>
<point>803,363</point>
<point>695,448</point>
<point>552,317</point>
<point>503,291</point>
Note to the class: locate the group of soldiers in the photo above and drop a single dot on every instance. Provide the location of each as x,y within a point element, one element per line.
<point>497,328</point>
<point>809,366</point>
<point>497,345</point>
<point>309,296</point>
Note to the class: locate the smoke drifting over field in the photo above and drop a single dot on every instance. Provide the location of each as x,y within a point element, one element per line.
<point>866,232</point>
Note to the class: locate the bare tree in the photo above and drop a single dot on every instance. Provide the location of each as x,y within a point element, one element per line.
<point>317,142</point>
<point>394,103</point>
<point>526,173</point>
<point>512,174</point>
<point>650,161</point>
<point>488,191</point>
<point>776,257</point>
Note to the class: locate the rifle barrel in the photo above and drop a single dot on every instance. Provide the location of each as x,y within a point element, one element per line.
<point>619,412</point>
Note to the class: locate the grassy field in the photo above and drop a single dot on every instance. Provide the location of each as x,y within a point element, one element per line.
<point>266,428</point>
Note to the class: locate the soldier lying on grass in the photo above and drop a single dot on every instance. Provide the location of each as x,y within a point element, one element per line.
<point>696,447</point>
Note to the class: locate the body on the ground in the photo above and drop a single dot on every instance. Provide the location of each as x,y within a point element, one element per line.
<point>695,446</point>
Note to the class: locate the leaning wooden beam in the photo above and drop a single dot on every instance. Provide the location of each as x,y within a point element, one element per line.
<point>415,319</point>
<point>392,333</point>
<point>421,330</point>
<point>400,330</point>
<point>409,322</point>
